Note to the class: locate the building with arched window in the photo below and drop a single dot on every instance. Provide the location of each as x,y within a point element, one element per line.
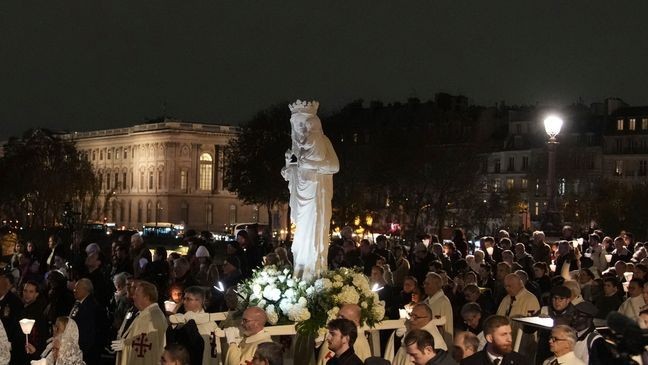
<point>164,172</point>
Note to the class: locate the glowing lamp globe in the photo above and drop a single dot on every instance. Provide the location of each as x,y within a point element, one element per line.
<point>552,126</point>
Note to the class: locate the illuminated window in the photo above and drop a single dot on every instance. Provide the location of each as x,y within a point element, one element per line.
<point>125,154</point>
<point>631,124</point>
<point>510,183</point>
<point>108,155</point>
<point>525,184</point>
<point>644,123</point>
<point>536,208</point>
<point>562,187</point>
<point>619,124</point>
<point>183,180</point>
<point>497,184</point>
<point>206,171</point>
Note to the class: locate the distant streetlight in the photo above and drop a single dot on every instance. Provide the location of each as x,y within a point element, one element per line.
<point>552,125</point>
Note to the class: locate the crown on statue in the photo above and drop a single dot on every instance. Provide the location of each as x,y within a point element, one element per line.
<point>304,107</point>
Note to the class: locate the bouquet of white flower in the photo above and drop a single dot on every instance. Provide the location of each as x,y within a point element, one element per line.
<point>334,289</point>
<point>276,292</point>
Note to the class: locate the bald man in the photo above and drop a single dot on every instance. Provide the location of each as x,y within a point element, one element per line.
<point>439,302</point>
<point>252,328</point>
<point>420,319</point>
<point>351,312</point>
<point>518,302</point>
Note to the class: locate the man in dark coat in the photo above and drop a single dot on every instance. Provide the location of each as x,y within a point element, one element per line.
<point>34,308</point>
<point>342,334</point>
<point>84,313</point>
<point>499,345</point>
<point>420,347</point>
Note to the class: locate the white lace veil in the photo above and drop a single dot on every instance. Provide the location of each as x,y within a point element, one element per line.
<point>5,346</point>
<point>69,352</point>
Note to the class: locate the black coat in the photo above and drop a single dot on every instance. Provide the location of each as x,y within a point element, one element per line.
<point>481,358</point>
<point>85,316</point>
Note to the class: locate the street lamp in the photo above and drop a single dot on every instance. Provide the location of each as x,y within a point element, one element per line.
<point>552,125</point>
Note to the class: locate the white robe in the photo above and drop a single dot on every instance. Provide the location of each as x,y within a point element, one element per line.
<point>440,306</point>
<point>145,339</point>
<point>243,353</point>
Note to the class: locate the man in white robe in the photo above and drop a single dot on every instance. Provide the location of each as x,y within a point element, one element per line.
<point>421,318</point>
<point>241,350</point>
<point>143,342</point>
<point>439,303</point>
<point>361,348</point>
<point>193,302</point>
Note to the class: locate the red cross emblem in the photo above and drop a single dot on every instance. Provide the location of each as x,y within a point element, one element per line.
<point>141,345</point>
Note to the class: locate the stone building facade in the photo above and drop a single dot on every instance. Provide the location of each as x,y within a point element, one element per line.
<point>170,171</point>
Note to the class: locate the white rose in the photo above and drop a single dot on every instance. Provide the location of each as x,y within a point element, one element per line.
<point>348,295</point>
<point>290,283</point>
<point>378,311</point>
<point>364,305</point>
<point>273,317</point>
<point>337,284</point>
<point>256,288</point>
<point>337,277</point>
<point>310,290</point>
<point>271,293</point>
<point>286,271</point>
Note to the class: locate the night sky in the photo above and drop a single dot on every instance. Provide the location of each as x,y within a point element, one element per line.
<point>91,64</point>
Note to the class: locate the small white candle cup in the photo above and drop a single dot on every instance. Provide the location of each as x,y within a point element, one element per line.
<point>628,275</point>
<point>490,250</point>
<point>625,286</point>
<point>608,258</point>
<point>552,267</point>
<point>170,306</point>
<point>26,325</point>
<point>403,314</point>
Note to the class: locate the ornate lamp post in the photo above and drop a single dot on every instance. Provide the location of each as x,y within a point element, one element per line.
<point>552,125</point>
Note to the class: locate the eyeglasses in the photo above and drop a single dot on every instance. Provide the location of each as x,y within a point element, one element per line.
<point>556,339</point>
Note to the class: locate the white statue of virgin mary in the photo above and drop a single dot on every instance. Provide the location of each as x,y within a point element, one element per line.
<point>310,165</point>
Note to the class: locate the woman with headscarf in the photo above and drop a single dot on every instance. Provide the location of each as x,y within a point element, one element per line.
<point>63,347</point>
<point>5,346</point>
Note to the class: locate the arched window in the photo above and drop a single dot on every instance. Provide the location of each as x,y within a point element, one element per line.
<point>206,171</point>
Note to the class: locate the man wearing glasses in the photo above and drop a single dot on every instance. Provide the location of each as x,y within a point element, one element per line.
<point>241,350</point>
<point>420,319</point>
<point>194,303</point>
<point>562,341</point>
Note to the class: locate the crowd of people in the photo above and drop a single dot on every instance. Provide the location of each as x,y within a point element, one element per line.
<point>128,303</point>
